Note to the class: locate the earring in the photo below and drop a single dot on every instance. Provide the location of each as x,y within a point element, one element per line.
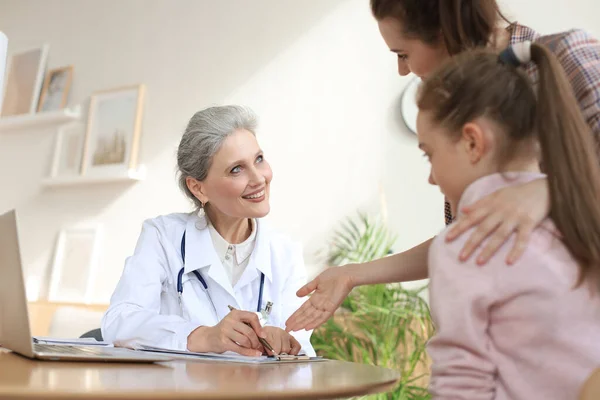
<point>201,212</point>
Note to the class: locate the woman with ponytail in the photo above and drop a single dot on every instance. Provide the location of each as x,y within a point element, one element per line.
<point>528,332</point>
<point>423,34</point>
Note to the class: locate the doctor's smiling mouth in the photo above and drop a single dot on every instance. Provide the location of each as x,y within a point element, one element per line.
<point>257,196</point>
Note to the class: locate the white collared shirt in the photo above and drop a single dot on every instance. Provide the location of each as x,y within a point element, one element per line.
<point>234,257</point>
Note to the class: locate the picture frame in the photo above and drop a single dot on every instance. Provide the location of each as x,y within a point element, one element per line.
<point>55,91</point>
<point>68,151</point>
<point>3,54</point>
<point>24,81</point>
<point>75,265</point>
<point>113,131</point>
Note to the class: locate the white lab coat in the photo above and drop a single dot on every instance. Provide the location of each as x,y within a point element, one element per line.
<point>144,309</point>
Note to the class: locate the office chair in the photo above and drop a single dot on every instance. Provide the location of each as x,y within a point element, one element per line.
<point>94,333</point>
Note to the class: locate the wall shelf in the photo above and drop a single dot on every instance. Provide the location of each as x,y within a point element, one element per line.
<point>130,176</point>
<point>39,120</point>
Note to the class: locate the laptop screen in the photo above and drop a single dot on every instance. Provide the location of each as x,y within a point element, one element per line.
<point>15,334</point>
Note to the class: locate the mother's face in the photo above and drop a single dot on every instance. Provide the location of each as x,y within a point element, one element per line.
<point>238,180</point>
<point>414,55</point>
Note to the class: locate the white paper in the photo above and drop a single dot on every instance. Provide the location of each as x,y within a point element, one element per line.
<point>71,341</point>
<point>228,356</point>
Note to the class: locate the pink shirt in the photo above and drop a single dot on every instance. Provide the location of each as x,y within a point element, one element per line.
<point>511,332</point>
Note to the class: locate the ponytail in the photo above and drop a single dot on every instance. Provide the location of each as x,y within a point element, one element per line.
<point>569,159</point>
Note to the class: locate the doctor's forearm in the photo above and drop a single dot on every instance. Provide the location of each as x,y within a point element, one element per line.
<point>410,265</point>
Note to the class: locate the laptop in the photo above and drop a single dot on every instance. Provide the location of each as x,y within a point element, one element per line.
<point>15,333</point>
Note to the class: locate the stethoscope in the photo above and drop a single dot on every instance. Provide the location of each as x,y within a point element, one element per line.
<point>205,285</point>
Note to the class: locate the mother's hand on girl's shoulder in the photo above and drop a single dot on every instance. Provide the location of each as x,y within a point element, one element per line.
<point>519,208</point>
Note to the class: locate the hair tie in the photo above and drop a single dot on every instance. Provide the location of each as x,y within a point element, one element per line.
<point>516,54</point>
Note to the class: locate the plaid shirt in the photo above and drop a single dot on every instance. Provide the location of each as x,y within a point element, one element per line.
<point>579,54</point>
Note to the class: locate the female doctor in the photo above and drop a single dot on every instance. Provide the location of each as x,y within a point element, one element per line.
<point>187,269</point>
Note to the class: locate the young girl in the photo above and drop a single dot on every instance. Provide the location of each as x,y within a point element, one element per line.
<point>530,331</point>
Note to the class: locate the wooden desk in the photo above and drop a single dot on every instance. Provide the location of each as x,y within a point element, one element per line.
<point>21,378</point>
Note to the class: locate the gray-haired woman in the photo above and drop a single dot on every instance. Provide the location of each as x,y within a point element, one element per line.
<point>217,279</point>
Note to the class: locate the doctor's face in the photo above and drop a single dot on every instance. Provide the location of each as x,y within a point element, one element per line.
<point>238,180</point>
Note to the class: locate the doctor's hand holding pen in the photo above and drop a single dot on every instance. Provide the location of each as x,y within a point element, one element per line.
<point>277,341</point>
<point>281,341</point>
<point>238,332</point>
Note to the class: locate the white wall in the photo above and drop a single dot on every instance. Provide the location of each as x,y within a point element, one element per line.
<point>316,72</point>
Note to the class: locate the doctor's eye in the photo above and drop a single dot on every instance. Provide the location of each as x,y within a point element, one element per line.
<point>260,159</point>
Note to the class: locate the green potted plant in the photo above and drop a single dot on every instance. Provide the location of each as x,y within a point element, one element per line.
<point>385,325</point>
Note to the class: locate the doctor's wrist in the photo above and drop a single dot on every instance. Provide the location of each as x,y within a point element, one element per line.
<point>197,339</point>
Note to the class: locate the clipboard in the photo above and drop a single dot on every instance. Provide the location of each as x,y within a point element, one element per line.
<point>291,358</point>
<point>231,357</point>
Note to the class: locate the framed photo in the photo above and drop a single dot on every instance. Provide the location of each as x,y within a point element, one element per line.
<point>113,131</point>
<point>24,81</point>
<point>68,150</point>
<point>74,267</point>
<point>56,89</point>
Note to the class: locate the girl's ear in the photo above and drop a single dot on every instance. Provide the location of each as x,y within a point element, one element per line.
<point>476,143</point>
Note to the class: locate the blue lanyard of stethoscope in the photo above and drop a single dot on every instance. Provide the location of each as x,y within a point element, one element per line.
<point>204,284</point>
<point>200,278</point>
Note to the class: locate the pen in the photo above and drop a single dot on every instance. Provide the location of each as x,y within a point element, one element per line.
<point>261,340</point>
